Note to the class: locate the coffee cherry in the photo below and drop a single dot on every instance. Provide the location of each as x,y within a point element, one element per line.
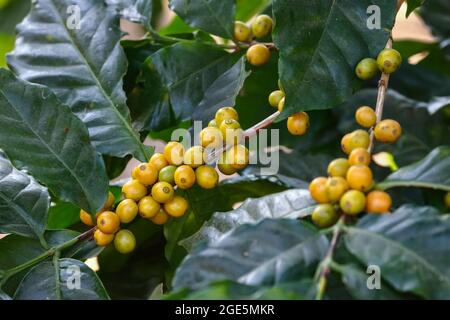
<point>86,218</point>
<point>148,207</point>
<point>231,131</point>
<point>146,174</point>
<point>211,137</point>
<point>159,161</point>
<point>366,69</point>
<point>184,177</point>
<point>262,26</point>
<point>353,202</point>
<point>134,190</point>
<point>324,216</point>
<point>226,113</point>
<point>212,123</point>
<point>102,239</point>
<point>160,218</point>
<point>338,167</point>
<point>335,188</point>
<point>167,174</point>
<point>109,202</point>
<point>389,60</point>
<point>345,143</point>
<point>359,156</point>
<point>207,177</point>
<point>447,199</point>
<point>238,157</point>
<point>359,139</point>
<point>378,202</point>
<point>388,131</point>
<point>125,242</point>
<point>108,222</point>
<point>174,153</point>
<point>360,177</point>
<point>163,192</point>
<point>224,166</point>
<point>194,157</point>
<point>366,117</point>
<point>258,54</point>
<point>176,207</point>
<point>281,104</point>
<point>275,98</point>
<point>298,123</point>
<point>127,210</point>
<point>318,190</point>
<point>242,32</point>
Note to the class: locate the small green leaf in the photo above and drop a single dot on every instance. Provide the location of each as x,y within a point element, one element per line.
<point>431,172</point>
<point>62,215</point>
<point>24,202</point>
<point>413,5</point>
<point>59,280</point>
<point>213,16</point>
<point>247,9</point>
<point>50,142</point>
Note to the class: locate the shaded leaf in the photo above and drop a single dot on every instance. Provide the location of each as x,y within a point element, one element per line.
<point>62,215</point>
<point>436,14</point>
<point>138,11</point>
<point>413,5</point>
<point>247,9</point>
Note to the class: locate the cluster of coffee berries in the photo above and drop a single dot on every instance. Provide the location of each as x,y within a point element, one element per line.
<point>258,54</point>
<point>348,189</point>
<point>297,123</point>
<point>388,61</point>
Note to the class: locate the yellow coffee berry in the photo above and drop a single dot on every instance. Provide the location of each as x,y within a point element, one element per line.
<point>176,207</point>
<point>258,54</point>
<point>86,218</point>
<point>226,113</point>
<point>345,143</point>
<point>242,32</point>
<point>359,156</point>
<point>353,202</point>
<point>124,241</point>
<point>174,153</point>
<point>389,60</point>
<point>163,192</point>
<point>194,157</point>
<point>103,239</point>
<point>160,218</point>
<point>388,131</point>
<point>366,117</point>
<point>211,137</point>
<point>238,157</point>
<point>360,178</point>
<point>378,202</point>
<point>335,188</point>
<point>359,139</point>
<point>275,98</point>
<point>206,177</point>
<point>298,123</point>
<point>159,161</point>
<point>146,174</point>
<point>281,104</point>
<point>224,166</point>
<point>231,131</point>
<point>184,177</point>
<point>338,167</point>
<point>148,207</point>
<point>318,190</point>
<point>108,222</point>
<point>324,216</point>
<point>127,210</point>
<point>262,26</point>
<point>134,190</point>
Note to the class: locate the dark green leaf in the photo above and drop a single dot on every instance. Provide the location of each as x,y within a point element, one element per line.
<point>24,203</point>
<point>413,5</point>
<point>16,250</point>
<point>247,9</point>
<point>269,253</point>
<point>409,246</point>
<point>213,16</point>
<point>436,13</point>
<point>62,215</point>
<point>83,66</point>
<point>176,26</point>
<point>12,13</point>
<point>320,44</point>
<point>55,281</point>
<point>431,172</point>
<point>138,11</point>
<point>50,142</point>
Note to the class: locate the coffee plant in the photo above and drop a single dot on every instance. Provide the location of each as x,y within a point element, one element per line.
<point>357,207</point>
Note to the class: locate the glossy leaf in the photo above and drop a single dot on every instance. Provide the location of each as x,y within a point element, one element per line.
<point>269,253</point>
<point>137,11</point>
<point>56,280</point>
<point>50,142</point>
<point>24,202</point>
<point>320,44</point>
<point>62,215</point>
<point>83,66</point>
<point>409,246</point>
<point>291,204</point>
<point>213,16</point>
<point>431,172</point>
<point>247,9</point>
<point>413,5</point>
<point>435,13</point>
<point>16,250</point>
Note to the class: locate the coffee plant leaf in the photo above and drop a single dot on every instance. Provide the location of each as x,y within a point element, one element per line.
<point>137,11</point>
<point>436,14</point>
<point>247,9</point>
<point>413,5</point>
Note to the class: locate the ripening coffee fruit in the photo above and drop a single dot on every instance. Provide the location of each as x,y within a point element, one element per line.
<point>242,32</point>
<point>447,199</point>
<point>324,215</point>
<point>275,98</point>
<point>159,161</point>
<point>167,174</point>
<point>174,153</point>
<point>108,222</point>
<point>109,202</point>
<point>258,54</point>
<point>194,157</point>
<point>103,239</point>
<point>335,188</point>
<point>360,178</point>
<point>298,123</point>
<point>124,241</point>
<point>86,218</point>
<point>224,166</point>
<point>148,207</point>
<point>211,137</point>
<point>127,210</point>
<point>338,167</point>
<point>318,190</point>
<point>366,117</point>
<point>212,123</point>
<point>206,177</point>
<point>160,218</point>
<point>176,207</point>
<point>353,202</point>
<point>262,26</point>
<point>134,190</point>
<point>238,157</point>
<point>231,131</point>
<point>146,174</point>
<point>358,139</point>
<point>378,202</point>
<point>226,113</point>
<point>359,156</point>
<point>184,177</point>
<point>345,143</point>
<point>163,192</point>
<point>389,60</point>
<point>366,69</point>
<point>281,104</point>
<point>388,131</point>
